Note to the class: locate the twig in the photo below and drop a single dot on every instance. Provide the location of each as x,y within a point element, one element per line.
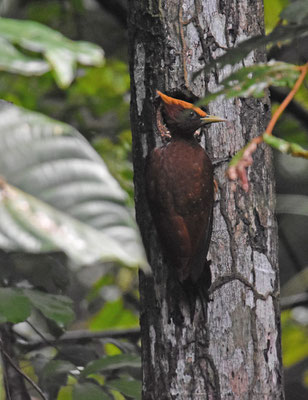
<point>82,335</point>
<point>287,100</point>
<point>243,159</point>
<point>32,383</point>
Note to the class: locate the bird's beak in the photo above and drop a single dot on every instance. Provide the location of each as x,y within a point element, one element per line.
<point>209,119</point>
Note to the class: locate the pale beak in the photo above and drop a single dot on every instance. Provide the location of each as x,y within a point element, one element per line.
<point>209,119</point>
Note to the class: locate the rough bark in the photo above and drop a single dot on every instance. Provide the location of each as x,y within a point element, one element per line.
<point>231,351</point>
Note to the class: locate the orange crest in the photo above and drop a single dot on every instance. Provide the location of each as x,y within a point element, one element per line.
<point>184,104</point>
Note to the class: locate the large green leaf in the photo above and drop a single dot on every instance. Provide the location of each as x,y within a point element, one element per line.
<point>14,305</point>
<point>56,307</point>
<point>61,53</point>
<point>72,202</point>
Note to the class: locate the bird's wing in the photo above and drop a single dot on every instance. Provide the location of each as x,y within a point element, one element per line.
<point>171,225</point>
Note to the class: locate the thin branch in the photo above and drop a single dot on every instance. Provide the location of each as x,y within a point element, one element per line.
<point>32,383</point>
<point>84,335</point>
<point>243,159</point>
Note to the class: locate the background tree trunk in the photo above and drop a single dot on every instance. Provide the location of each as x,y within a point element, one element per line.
<point>232,352</point>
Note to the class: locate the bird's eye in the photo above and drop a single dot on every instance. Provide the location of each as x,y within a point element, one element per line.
<point>191,114</point>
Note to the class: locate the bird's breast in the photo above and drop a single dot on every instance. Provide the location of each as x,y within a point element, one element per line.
<point>182,176</point>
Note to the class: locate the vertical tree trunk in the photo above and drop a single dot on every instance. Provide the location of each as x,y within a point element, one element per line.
<point>232,350</point>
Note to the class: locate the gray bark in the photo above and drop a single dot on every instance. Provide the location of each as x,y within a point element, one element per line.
<point>232,351</point>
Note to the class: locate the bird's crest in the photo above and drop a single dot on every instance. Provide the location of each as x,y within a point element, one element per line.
<point>184,104</point>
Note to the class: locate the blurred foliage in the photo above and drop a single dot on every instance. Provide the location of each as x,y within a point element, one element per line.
<point>117,156</point>
<point>97,103</point>
<point>290,129</point>
<point>272,10</point>
<point>61,54</point>
<point>253,80</point>
<point>294,339</point>
<point>112,315</point>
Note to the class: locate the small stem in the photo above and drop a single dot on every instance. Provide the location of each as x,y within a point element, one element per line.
<point>287,100</point>
<point>12,363</point>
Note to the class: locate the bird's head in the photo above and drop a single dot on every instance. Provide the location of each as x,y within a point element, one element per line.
<point>183,118</point>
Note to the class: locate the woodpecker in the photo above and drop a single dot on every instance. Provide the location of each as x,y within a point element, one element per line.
<point>180,190</point>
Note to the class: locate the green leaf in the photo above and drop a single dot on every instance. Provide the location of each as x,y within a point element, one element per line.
<point>54,375</point>
<point>284,146</point>
<point>272,9</point>
<point>128,387</point>
<point>112,362</point>
<point>65,393</point>
<point>55,307</point>
<point>62,54</point>
<point>14,306</point>
<point>86,216</point>
<point>294,340</point>
<point>253,80</point>
<point>56,367</point>
<point>88,391</point>
<point>113,314</point>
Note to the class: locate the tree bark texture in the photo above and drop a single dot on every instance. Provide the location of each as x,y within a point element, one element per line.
<point>231,347</point>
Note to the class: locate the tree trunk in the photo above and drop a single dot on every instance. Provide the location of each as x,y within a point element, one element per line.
<point>231,348</point>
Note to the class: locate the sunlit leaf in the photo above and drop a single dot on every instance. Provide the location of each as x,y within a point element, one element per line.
<point>65,393</point>
<point>113,314</point>
<point>294,340</point>
<point>14,305</point>
<point>272,10</point>
<point>62,54</point>
<point>56,307</point>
